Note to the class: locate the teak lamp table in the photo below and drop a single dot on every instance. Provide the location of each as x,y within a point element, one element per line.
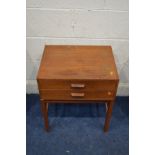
<point>77,74</point>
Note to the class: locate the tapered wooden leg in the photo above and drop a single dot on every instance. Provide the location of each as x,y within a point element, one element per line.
<point>106,106</point>
<point>41,107</point>
<point>108,115</point>
<point>45,114</point>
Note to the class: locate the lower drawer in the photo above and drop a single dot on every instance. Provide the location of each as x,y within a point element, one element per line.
<point>75,95</point>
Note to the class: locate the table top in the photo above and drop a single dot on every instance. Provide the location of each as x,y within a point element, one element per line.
<point>77,62</point>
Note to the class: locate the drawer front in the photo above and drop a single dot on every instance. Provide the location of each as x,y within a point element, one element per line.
<point>76,95</point>
<point>73,85</point>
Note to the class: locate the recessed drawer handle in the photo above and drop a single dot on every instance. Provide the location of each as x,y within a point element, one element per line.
<point>77,85</point>
<point>77,94</point>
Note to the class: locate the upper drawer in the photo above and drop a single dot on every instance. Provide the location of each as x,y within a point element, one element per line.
<point>77,84</point>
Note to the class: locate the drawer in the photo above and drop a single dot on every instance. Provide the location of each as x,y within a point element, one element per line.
<point>73,84</point>
<point>76,95</point>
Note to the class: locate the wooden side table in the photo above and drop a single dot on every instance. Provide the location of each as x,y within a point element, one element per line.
<point>77,74</point>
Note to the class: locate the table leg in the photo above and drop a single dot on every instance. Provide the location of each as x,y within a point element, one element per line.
<point>106,106</point>
<point>41,107</point>
<point>45,114</point>
<point>108,115</point>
